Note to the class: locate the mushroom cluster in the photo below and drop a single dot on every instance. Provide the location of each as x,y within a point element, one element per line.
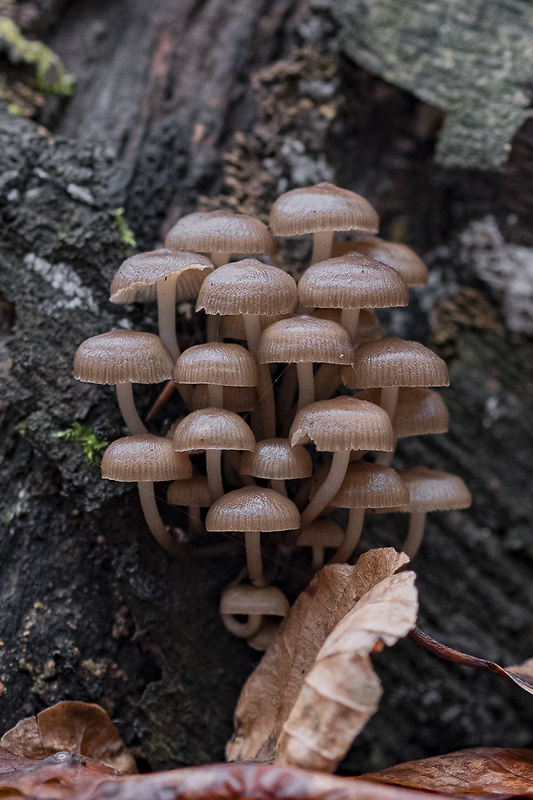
<point>286,370</point>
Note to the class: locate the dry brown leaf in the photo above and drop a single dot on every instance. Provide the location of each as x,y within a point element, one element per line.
<point>271,691</point>
<point>60,777</point>
<point>522,675</point>
<point>342,691</point>
<point>74,727</point>
<point>476,771</point>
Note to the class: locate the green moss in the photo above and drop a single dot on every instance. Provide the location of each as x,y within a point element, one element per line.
<point>124,230</point>
<point>13,108</point>
<point>84,435</point>
<point>49,72</point>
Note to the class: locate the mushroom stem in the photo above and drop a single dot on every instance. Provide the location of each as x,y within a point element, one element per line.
<point>151,515</point>
<point>242,629</point>
<point>415,533</point>
<point>286,395</point>
<point>318,557</point>
<point>389,400</point>
<point>166,310</point>
<point>212,327</point>
<point>328,489</point>
<point>216,395</point>
<point>353,534</point>
<point>219,259</point>
<point>306,385</point>
<point>279,486</point>
<point>326,381</point>
<point>385,458</point>
<point>127,407</point>
<point>214,474</point>
<point>350,321</point>
<point>253,557</point>
<point>195,520</point>
<point>322,242</point>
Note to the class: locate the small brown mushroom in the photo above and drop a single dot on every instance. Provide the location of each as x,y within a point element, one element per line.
<point>276,461</point>
<point>255,602</point>
<point>398,256</point>
<point>217,365</point>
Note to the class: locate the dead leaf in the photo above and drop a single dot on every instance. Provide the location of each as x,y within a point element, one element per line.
<point>62,776</point>
<point>521,675</point>
<point>74,727</point>
<point>271,691</point>
<point>476,771</point>
<point>342,691</point>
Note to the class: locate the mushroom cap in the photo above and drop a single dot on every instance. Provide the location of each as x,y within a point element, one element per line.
<point>220,232</point>
<point>368,326</point>
<point>305,338</point>
<point>216,363</point>
<point>212,429</point>
<point>368,485</point>
<point>418,411</point>
<point>144,458</point>
<point>248,287</point>
<point>434,490</point>
<point>254,600</point>
<point>136,278</point>
<point>398,256</point>
<point>322,532</point>
<point>122,357</point>
<point>190,492</point>
<point>276,460</point>
<point>395,362</point>
<point>252,509</point>
<point>231,326</point>
<point>323,207</point>
<point>235,398</point>
<point>352,281</point>
<point>343,423</point>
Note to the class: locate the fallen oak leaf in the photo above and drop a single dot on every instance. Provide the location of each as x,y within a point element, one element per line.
<point>342,691</point>
<point>63,776</point>
<point>271,691</point>
<point>478,770</point>
<point>250,781</point>
<point>521,675</point>
<point>74,727</point>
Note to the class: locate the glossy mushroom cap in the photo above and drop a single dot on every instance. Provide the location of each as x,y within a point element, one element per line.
<point>248,287</point>
<point>322,207</point>
<point>136,278</point>
<point>418,411</point>
<point>212,429</point>
<point>343,423</point>
<point>263,600</point>
<point>434,490</point>
<point>352,281</point>
<point>395,362</point>
<point>191,492</point>
<point>398,256</point>
<point>370,486</point>
<point>305,339</point>
<point>321,532</point>
<point>216,363</point>
<point>144,458</point>
<point>220,232</point>
<point>252,509</point>
<point>275,459</point>
<point>123,357</point>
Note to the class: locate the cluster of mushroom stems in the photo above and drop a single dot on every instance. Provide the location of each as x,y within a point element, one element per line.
<point>288,370</point>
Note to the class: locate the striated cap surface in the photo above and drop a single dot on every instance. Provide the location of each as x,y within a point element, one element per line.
<point>122,357</point>
<point>434,490</point>
<point>370,486</point>
<point>136,278</point>
<point>305,338</point>
<point>352,281</point>
<point>263,600</point>
<point>220,232</point>
<point>252,509</point>
<point>212,429</point>
<point>144,458</point>
<point>248,287</point>
<point>217,363</point>
<point>323,207</point>
<point>343,423</point>
<point>395,362</point>
<point>398,256</point>
<point>275,459</point>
